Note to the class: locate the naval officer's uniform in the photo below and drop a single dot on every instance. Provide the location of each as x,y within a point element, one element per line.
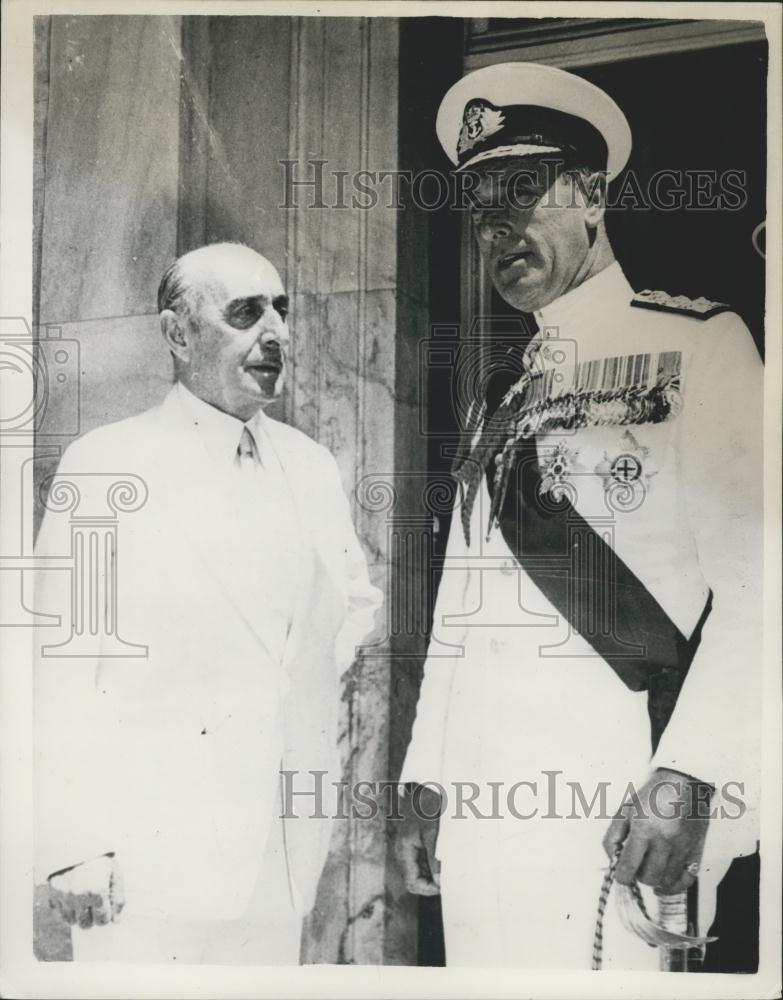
<point>598,614</point>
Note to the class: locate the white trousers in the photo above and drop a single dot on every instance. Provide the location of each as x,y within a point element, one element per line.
<point>522,891</point>
<point>507,907</point>
<point>497,914</point>
<point>269,933</point>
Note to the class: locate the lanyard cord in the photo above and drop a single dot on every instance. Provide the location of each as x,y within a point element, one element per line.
<point>603,898</point>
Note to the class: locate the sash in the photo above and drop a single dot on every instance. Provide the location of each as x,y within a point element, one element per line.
<point>596,592</point>
<point>581,575</point>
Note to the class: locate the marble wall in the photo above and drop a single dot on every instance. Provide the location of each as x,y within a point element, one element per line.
<point>107,93</point>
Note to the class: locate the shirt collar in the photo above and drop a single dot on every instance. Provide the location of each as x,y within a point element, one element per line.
<point>585,307</point>
<point>219,431</point>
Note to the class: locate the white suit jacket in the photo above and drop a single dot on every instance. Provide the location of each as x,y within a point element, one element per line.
<point>172,759</point>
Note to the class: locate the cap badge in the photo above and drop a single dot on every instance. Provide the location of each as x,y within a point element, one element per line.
<point>479,122</point>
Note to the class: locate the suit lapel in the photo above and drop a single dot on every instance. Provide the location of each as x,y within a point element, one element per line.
<point>313,577</point>
<point>182,480</point>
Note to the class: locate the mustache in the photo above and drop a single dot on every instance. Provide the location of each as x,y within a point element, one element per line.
<point>273,355</point>
<point>268,359</point>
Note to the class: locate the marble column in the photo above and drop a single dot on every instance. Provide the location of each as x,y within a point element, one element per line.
<point>343,277</point>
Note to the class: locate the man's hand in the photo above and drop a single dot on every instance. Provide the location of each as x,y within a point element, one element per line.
<point>661,832</point>
<point>416,838</point>
<point>89,893</point>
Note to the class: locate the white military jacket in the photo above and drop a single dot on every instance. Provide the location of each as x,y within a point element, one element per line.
<point>679,500</point>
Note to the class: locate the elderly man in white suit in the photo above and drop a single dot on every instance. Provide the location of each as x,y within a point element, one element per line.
<point>158,819</point>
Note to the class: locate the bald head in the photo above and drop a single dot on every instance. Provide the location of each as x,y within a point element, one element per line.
<point>207,265</point>
<point>223,315</point>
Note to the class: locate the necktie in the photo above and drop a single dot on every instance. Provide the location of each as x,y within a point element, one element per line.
<point>247,450</point>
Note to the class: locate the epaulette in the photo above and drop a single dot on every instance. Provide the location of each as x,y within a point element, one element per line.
<point>700,308</point>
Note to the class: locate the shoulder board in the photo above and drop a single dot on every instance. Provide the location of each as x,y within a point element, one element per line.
<point>700,308</point>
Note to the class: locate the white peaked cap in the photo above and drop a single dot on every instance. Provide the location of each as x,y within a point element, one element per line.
<point>507,97</point>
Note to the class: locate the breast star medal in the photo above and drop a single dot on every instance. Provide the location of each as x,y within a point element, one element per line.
<point>559,464</point>
<point>626,474</point>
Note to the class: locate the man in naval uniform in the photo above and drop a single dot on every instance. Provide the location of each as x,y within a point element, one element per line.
<point>597,624</point>
<point>158,812</point>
